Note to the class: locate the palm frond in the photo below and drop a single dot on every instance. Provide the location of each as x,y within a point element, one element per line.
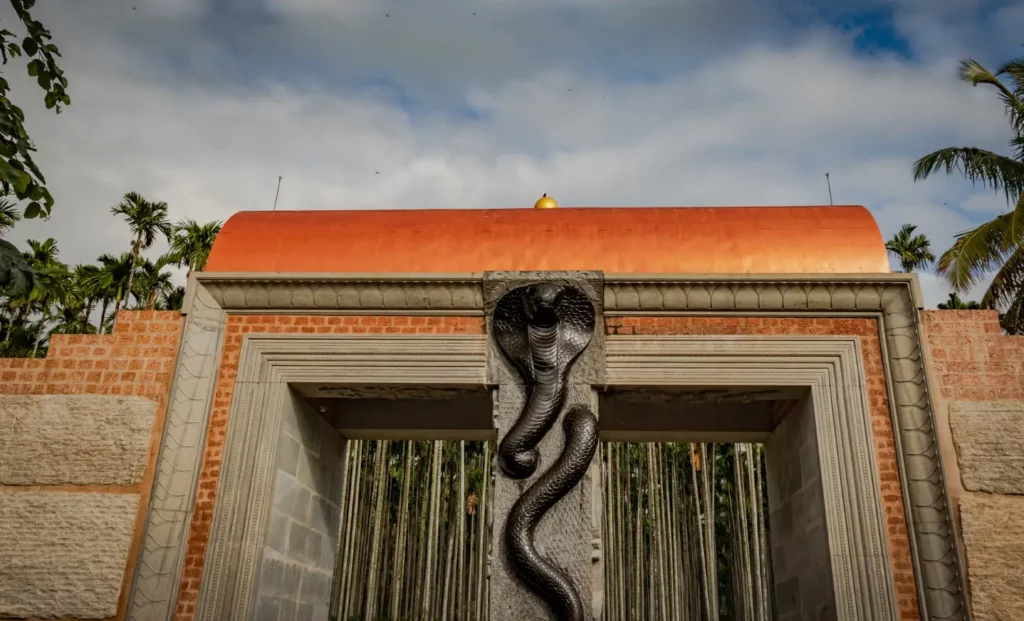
<point>973,72</point>
<point>1014,69</point>
<point>1012,321</point>
<point>1007,283</point>
<point>1017,146</point>
<point>1015,224</point>
<point>975,253</point>
<point>9,215</point>
<point>978,166</point>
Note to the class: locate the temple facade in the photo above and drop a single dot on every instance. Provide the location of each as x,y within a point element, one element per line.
<point>153,474</point>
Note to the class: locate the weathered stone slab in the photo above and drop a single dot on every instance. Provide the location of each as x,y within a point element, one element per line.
<point>63,555</point>
<point>988,438</point>
<point>74,439</point>
<point>993,530</point>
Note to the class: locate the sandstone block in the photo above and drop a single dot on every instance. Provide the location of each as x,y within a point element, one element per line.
<point>988,438</point>
<point>63,555</point>
<point>74,439</point>
<point>993,531</point>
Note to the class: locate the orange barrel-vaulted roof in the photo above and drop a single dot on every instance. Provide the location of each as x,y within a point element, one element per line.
<point>637,240</point>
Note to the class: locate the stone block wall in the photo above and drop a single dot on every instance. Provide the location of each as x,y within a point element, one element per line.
<point>802,567</point>
<point>301,548</point>
<point>977,380</point>
<point>79,432</point>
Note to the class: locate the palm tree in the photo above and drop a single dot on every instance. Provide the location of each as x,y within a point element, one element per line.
<point>51,290</point>
<point>146,219</point>
<point>10,214</point>
<point>111,281</point>
<point>955,303</point>
<point>152,281</point>
<point>41,259</point>
<point>191,243</point>
<point>84,279</point>
<point>999,243</point>
<point>172,299</point>
<point>913,251</point>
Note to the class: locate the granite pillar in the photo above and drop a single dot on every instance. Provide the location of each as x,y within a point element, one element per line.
<point>570,533</point>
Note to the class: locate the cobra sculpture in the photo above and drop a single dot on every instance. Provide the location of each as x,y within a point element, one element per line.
<point>542,329</point>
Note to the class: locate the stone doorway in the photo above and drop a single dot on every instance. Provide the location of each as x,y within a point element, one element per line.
<point>723,427</point>
<point>297,399</point>
<point>805,399</point>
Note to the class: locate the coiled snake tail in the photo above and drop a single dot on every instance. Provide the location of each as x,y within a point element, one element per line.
<point>554,586</point>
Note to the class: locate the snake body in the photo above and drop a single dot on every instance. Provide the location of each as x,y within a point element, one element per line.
<point>542,329</point>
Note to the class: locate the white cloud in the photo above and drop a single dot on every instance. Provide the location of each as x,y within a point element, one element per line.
<point>171,114</point>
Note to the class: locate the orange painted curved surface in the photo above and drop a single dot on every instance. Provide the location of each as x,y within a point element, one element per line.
<point>637,240</point>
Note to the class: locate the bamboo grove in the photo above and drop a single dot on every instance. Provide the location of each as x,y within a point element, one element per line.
<point>685,532</point>
<point>415,532</point>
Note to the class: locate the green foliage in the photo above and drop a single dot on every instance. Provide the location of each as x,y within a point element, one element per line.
<point>41,296</point>
<point>996,245</point>
<point>191,243</point>
<point>955,303</point>
<point>913,251</point>
<point>18,172</point>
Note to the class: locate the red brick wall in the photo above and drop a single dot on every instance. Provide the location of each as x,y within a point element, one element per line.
<point>971,358</point>
<point>968,359</point>
<point>237,327</point>
<point>885,449</point>
<point>137,359</point>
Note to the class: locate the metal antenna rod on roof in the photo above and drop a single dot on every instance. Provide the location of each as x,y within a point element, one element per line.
<point>829,182</point>
<point>278,193</point>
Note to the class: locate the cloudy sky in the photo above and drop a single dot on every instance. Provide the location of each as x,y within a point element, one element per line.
<point>398,104</point>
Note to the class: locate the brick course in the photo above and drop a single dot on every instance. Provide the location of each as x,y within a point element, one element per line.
<point>881,418</point>
<point>137,359</point>
<point>237,327</point>
<point>971,358</point>
<point>977,378</point>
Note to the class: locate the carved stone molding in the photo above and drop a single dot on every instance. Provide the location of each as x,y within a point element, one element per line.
<point>393,293</point>
<point>267,365</point>
<point>165,535</point>
<point>832,368</point>
<point>630,294</point>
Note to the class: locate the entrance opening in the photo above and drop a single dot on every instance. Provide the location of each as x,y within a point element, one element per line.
<point>380,504</point>
<point>713,505</point>
<point>416,531</point>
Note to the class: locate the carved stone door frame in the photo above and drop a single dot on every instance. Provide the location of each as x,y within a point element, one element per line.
<point>890,298</point>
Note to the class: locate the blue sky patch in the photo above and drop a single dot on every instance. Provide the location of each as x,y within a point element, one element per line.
<point>875,33</point>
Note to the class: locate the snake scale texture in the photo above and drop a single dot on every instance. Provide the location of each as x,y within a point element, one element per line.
<point>542,329</point>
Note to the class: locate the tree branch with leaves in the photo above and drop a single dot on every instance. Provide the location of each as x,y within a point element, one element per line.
<point>19,174</point>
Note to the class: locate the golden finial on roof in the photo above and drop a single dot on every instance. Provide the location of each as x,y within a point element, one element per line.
<point>545,202</point>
